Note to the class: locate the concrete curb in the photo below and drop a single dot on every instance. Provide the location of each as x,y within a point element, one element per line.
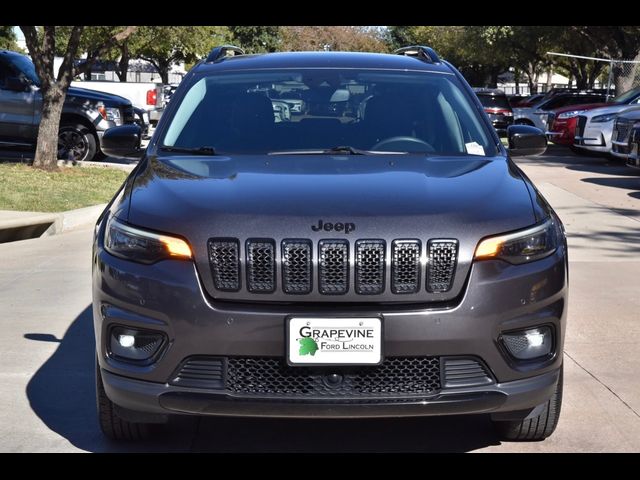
<point>127,167</point>
<point>30,224</point>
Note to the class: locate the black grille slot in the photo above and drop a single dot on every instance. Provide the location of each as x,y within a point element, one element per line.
<point>621,130</point>
<point>442,257</point>
<point>333,267</point>
<point>200,372</point>
<point>370,266</point>
<point>224,259</point>
<point>297,266</point>
<point>580,124</point>
<point>405,266</point>
<point>261,265</point>
<point>464,372</point>
<point>396,376</point>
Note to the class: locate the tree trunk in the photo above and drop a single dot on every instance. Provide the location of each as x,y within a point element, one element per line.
<point>624,75</point>
<point>46,156</point>
<point>516,79</point>
<point>549,78</point>
<point>123,64</point>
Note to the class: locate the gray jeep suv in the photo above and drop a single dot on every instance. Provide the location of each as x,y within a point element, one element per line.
<point>378,254</point>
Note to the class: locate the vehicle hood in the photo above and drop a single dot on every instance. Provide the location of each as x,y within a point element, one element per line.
<point>586,106</point>
<point>386,197</point>
<point>108,99</point>
<point>616,108</point>
<point>632,113</point>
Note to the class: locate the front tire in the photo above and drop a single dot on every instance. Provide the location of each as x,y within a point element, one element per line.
<point>76,143</point>
<point>112,425</point>
<point>535,428</point>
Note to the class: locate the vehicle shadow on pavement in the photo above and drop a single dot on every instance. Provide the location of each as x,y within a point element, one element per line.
<point>62,394</point>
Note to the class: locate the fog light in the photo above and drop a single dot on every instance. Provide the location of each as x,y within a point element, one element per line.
<point>126,341</point>
<point>134,345</point>
<point>529,344</point>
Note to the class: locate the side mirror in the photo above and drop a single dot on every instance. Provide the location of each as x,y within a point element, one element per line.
<point>526,140</point>
<point>16,84</point>
<point>122,142</point>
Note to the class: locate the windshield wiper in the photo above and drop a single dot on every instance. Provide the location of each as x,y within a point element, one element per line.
<point>205,150</point>
<point>340,150</point>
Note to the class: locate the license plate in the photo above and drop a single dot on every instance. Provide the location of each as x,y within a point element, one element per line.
<point>334,341</point>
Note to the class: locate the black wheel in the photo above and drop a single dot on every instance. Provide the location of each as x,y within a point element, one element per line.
<point>111,424</point>
<point>535,428</point>
<point>76,143</point>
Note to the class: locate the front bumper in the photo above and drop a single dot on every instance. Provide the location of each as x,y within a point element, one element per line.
<point>168,297</point>
<point>518,395</point>
<point>596,138</point>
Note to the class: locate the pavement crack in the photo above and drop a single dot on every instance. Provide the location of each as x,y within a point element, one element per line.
<point>603,384</point>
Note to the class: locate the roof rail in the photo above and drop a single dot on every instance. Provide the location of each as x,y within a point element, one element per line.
<point>424,53</point>
<point>223,51</point>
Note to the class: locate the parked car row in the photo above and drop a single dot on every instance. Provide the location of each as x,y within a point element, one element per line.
<point>597,127</point>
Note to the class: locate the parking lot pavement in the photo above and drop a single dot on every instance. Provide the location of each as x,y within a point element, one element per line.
<point>46,345</point>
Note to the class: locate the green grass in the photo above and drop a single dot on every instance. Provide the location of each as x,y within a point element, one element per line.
<point>25,188</point>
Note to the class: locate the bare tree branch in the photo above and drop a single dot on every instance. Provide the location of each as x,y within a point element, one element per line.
<point>64,74</point>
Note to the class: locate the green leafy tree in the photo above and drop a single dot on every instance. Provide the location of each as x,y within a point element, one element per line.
<point>256,39</point>
<point>164,46</point>
<point>42,46</point>
<point>8,38</point>
<point>345,38</point>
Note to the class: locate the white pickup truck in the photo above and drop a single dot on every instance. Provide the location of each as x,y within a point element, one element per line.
<point>147,96</point>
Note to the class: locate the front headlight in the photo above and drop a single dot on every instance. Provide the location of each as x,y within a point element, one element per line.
<point>523,246</point>
<point>143,246</point>
<point>604,118</point>
<point>571,114</point>
<point>111,114</point>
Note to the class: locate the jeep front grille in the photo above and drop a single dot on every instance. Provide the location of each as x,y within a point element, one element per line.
<point>294,261</point>
<point>370,263</point>
<point>442,257</point>
<point>333,266</point>
<point>261,266</point>
<point>297,269</point>
<point>581,123</point>
<point>224,258</point>
<point>405,266</point>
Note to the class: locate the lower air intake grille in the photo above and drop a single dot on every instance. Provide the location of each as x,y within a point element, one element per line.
<point>333,267</point>
<point>269,376</point>
<point>370,263</point>
<point>405,266</point>
<point>464,372</point>
<point>224,259</point>
<point>200,372</point>
<point>261,266</point>
<point>621,130</point>
<point>442,258</point>
<point>297,266</point>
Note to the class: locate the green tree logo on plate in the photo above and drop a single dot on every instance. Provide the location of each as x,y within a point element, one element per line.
<point>308,346</point>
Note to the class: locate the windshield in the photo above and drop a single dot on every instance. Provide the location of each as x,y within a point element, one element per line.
<point>628,96</point>
<point>26,66</point>
<point>278,111</point>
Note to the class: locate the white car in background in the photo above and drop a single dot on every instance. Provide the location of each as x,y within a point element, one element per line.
<point>595,127</point>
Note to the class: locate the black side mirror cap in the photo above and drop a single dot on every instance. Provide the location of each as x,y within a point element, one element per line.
<point>122,142</point>
<point>16,84</point>
<point>526,140</point>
